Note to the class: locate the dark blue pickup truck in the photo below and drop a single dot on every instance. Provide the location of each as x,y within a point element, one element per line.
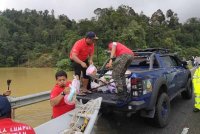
<point>156,78</point>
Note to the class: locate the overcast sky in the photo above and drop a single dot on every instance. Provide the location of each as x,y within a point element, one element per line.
<point>81,9</point>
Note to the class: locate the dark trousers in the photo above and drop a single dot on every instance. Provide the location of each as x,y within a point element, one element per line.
<point>78,69</point>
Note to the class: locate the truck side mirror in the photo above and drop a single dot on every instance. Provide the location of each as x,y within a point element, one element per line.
<point>184,64</point>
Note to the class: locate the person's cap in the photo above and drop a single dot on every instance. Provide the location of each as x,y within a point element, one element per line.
<point>5,107</point>
<point>91,35</point>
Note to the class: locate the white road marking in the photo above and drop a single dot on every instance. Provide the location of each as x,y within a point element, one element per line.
<point>185,130</point>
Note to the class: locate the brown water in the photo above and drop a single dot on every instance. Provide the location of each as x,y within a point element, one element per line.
<point>29,81</point>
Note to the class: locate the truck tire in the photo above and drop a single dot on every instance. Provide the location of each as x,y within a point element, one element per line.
<point>187,94</point>
<point>162,113</point>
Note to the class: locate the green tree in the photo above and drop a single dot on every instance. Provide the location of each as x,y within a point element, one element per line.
<point>133,36</point>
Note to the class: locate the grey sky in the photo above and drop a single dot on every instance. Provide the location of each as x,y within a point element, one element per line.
<point>80,9</point>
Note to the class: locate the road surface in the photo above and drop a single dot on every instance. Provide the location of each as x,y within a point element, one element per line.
<point>182,117</point>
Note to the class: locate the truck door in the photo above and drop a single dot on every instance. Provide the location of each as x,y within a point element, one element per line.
<point>169,74</point>
<point>181,76</point>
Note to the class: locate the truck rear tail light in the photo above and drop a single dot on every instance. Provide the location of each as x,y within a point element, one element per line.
<point>136,86</point>
<point>135,81</point>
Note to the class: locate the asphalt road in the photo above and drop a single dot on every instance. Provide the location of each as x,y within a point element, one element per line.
<point>181,117</point>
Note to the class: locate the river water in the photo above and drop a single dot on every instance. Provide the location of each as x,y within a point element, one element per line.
<point>27,81</point>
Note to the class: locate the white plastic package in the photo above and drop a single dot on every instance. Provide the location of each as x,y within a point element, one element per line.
<point>71,97</point>
<point>128,84</point>
<point>76,83</point>
<point>94,84</point>
<point>91,70</point>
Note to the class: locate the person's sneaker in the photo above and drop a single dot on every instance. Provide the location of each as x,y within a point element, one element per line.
<point>196,110</point>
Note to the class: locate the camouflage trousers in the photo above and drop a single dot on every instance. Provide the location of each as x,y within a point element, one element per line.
<point>120,66</point>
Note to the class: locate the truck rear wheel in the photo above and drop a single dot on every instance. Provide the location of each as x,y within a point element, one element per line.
<point>162,110</point>
<point>187,94</point>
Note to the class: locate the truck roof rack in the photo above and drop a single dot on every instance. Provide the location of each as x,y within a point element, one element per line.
<point>155,50</point>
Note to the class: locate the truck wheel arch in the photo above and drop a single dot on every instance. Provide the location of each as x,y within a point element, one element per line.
<point>160,87</point>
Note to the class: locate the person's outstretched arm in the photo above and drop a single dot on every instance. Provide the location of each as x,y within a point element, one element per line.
<point>114,44</point>
<point>7,93</point>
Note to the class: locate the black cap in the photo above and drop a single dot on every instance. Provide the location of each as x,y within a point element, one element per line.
<point>91,35</point>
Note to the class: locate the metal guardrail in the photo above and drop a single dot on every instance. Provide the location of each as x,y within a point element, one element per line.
<point>60,124</point>
<point>17,102</point>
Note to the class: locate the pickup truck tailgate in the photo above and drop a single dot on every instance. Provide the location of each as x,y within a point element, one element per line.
<point>107,97</point>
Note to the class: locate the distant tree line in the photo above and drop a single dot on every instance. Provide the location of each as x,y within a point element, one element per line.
<point>39,39</point>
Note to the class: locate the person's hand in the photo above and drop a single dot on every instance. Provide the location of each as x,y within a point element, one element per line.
<point>109,65</point>
<point>90,62</point>
<point>66,90</point>
<point>7,93</point>
<point>83,64</point>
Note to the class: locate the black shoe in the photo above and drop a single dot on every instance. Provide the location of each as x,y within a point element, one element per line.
<point>196,110</point>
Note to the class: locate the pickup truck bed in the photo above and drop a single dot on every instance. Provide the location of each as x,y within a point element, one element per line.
<point>110,104</point>
<point>106,97</point>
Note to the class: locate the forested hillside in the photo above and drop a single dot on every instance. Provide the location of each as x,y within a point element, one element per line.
<point>41,39</point>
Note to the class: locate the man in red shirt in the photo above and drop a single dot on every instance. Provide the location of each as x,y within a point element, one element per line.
<point>8,126</point>
<point>124,57</point>
<point>83,50</point>
<point>57,95</point>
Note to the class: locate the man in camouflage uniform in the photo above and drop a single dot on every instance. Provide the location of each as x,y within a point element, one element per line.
<point>124,57</point>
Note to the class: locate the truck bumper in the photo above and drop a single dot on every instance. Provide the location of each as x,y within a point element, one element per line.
<point>132,106</point>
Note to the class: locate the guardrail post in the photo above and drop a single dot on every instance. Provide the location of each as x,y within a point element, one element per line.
<point>17,102</point>
<point>13,113</point>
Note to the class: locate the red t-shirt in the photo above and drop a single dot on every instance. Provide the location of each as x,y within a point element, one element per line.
<point>120,49</point>
<point>82,49</point>
<point>7,126</point>
<point>61,107</point>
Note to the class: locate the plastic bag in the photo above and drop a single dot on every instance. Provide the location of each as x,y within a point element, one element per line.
<point>112,87</point>
<point>91,70</point>
<point>128,84</point>
<point>76,83</point>
<point>109,73</point>
<point>71,97</point>
<point>104,89</point>
<point>74,89</point>
<point>67,101</point>
<point>94,84</point>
